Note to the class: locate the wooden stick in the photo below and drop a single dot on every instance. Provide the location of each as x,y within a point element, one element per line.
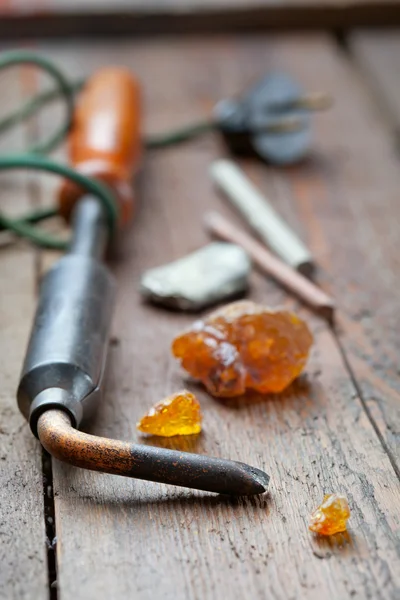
<point>261,216</point>
<point>269,264</point>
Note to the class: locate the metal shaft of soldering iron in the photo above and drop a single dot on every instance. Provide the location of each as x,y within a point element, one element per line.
<point>63,441</point>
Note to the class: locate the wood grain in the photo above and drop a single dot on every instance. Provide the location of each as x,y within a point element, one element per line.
<point>378,54</point>
<point>23,572</point>
<point>347,194</point>
<point>121,538</point>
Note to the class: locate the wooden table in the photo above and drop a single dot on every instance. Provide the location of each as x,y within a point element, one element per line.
<point>62,18</point>
<point>336,429</point>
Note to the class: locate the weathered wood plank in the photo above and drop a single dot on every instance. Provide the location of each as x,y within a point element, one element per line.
<point>66,18</point>
<point>23,573</point>
<point>127,538</point>
<point>347,197</point>
<point>378,55</point>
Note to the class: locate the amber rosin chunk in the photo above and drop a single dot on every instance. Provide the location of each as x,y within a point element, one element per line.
<point>178,414</point>
<point>331,517</point>
<point>245,346</point>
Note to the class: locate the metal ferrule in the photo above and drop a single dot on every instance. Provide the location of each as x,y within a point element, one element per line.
<point>66,354</point>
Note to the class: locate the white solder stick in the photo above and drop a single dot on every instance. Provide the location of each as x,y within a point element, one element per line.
<point>260,215</point>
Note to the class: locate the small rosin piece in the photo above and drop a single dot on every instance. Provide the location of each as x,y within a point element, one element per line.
<point>331,516</point>
<point>178,414</point>
<point>245,346</point>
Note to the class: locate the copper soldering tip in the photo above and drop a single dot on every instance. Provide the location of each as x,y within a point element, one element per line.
<point>184,469</point>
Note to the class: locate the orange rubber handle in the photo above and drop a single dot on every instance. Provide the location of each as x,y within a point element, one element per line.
<point>105,141</point>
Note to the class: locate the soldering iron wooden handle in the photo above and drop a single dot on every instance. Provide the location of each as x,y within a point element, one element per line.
<point>105,140</point>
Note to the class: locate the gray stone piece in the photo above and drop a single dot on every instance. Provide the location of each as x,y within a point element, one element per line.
<point>208,276</point>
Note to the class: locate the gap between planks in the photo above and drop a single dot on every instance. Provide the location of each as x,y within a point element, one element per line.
<point>377,54</point>
<point>22,527</point>
<point>30,80</point>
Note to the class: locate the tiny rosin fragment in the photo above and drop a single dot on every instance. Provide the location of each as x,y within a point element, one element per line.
<point>178,414</point>
<point>331,516</point>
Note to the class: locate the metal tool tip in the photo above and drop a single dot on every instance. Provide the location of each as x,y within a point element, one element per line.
<point>261,479</point>
<point>257,480</point>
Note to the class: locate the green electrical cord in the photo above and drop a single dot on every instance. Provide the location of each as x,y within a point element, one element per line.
<point>151,142</point>
<point>19,57</point>
<point>41,163</point>
<point>180,135</point>
<point>35,104</point>
<point>34,159</point>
